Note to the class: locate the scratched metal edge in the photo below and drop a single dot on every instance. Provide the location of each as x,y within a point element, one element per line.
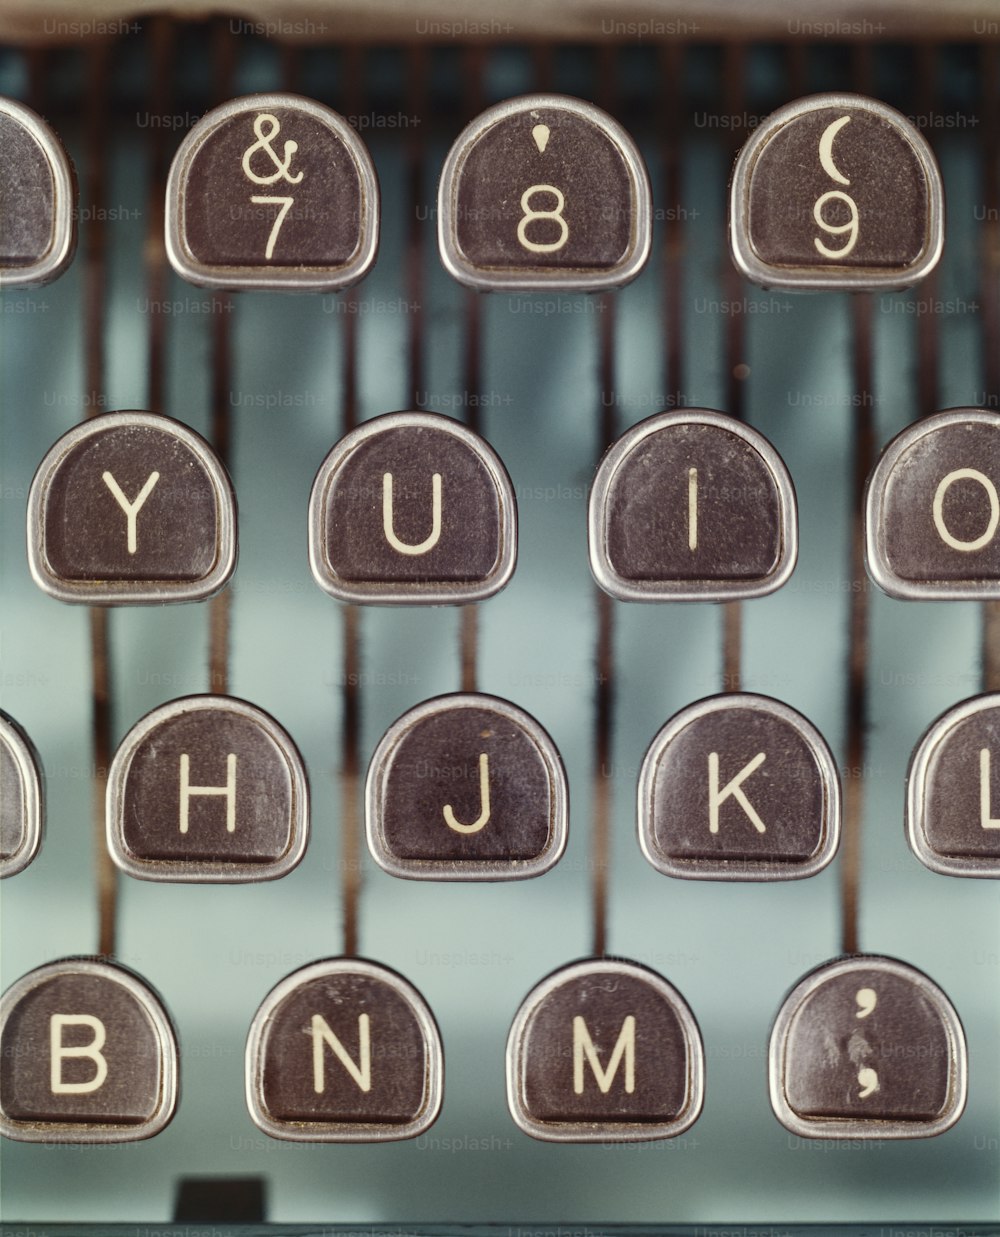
<point>212,1228</point>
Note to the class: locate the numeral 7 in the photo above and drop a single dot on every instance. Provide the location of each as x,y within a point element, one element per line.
<point>279,220</point>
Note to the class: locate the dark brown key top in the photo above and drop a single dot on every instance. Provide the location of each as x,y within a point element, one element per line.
<point>932,509</point>
<point>739,787</point>
<point>953,791</point>
<point>22,811</point>
<point>131,508</point>
<point>836,191</point>
<point>544,192</point>
<point>604,1051</point>
<point>272,191</point>
<point>867,1047</point>
<point>344,1051</point>
<point>466,787</point>
<point>37,199</point>
<point>412,508</point>
<point>87,1055</point>
<point>207,788</point>
<point>692,506</point>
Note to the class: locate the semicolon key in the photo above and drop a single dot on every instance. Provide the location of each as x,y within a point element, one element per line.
<point>87,1055</point>
<point>544,192</point>
<point>272,192</point>
<point>867,1047</point>
<point>836,191</point>
<point>37,200</point>
<point>412,508</point>
<point>131,508</point>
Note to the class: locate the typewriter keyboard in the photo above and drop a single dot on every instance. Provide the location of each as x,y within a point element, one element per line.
<point>500,631</point>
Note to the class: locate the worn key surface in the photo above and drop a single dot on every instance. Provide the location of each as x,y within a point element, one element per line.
<point>466,787</point>
<point>544,191</point>
<point>21,798</point>
<point>131,508</point>
<point>692,506</point>
<point>88,1055</point>
<point>739,787</point>
<point>207,788</point>
<point>867,1047</point>
<point>953,791</point>
<point>836,191</point>
<point>412,508</point>
<point>37,199</point>
<point>272,191</point>
<point>604,1050</point>
<point>932,509</point>
<point>341,1051</point>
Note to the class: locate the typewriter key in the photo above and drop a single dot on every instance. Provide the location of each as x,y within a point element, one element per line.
<point>692,506</point>
<point>836,191</point>
<point>953,791</point>
<point>344,1051</point>
<point>932,509</point>
<point>37,200</point>
<point>412,508</point>
<point>739,787</point>
<point>272,191</point>
<point>604,1051</point>
<point>130,508</point>
<point>207,788</point>
<point>544,192</point>
<point>88,1056</point>
<point>21,798</point>
<point>867,1047</point>
<point>466,787</point>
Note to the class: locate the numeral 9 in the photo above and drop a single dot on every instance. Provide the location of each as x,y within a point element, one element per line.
<point>836,229</point>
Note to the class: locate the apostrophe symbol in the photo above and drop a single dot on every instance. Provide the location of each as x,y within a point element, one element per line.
<point>541,135</point>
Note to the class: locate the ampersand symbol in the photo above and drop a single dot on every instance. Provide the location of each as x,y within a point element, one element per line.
<point>263,143</point>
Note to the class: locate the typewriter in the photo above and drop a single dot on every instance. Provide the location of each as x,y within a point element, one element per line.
<point>608,1024</point>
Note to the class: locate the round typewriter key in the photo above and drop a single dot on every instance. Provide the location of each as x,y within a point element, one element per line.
<point>344,1050</point>
<point>604,1051</point>
<point>272,191</point>
<point>37,199</point>
<point>207,788</point>
<point>412,508</point>
<point>466,787</point>
<point>739,787</point>
<point>87,1055</point>
<point>932,509</point>
<point>131,508</point>
<point>544,192</point>
<point>867,1047</point>
<point>692,506</point>
<point>953,791</point>
<point>836,191</point>
<point>21,798</point>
